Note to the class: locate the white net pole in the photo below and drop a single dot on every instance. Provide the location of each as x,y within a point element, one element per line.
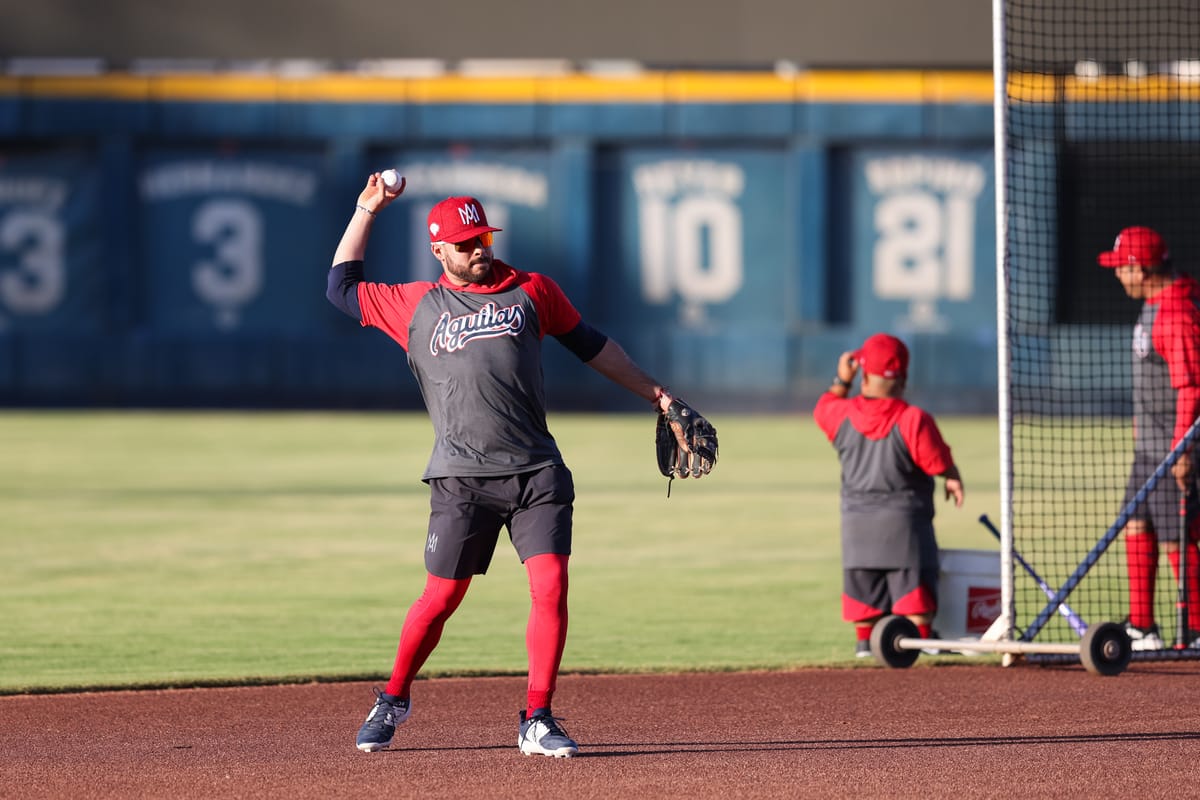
<point>1003,385</point>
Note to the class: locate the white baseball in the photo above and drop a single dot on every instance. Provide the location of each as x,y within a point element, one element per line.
<point>391,179</point>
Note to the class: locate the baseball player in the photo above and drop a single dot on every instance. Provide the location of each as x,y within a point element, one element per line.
<point>890,452</point>
<point>474,343</point>
<point>1166,400</point>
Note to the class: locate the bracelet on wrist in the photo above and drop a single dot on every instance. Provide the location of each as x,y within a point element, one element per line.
<point>837,381</point>
<point>364,208</point>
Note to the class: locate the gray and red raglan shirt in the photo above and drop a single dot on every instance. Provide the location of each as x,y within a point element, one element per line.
<point>1166,368</point>
<point>889,452</point>
<point>476,352</point>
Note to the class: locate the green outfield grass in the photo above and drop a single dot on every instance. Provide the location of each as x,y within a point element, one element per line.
<point>166,549</point>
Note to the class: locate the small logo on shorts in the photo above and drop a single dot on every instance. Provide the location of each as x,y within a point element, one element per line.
<point>431,545</point>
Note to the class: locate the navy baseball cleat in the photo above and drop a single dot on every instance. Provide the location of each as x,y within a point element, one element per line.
<point>542,735</point>
<point>377,731</point>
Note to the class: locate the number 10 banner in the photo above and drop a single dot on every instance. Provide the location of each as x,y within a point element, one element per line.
<point>707,239</point>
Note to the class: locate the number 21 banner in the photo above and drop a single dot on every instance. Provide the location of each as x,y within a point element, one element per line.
<point>923,240</point>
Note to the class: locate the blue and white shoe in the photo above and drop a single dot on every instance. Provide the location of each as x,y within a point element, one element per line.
<point>542,735</point>
<point>380,726</point>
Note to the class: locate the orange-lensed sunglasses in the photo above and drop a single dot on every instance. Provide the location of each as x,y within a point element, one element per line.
<point>468,246</point>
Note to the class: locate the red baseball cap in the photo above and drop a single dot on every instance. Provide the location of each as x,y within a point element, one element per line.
<point>1136,247</point>
<point>457,219</point>
<point>883,354</point>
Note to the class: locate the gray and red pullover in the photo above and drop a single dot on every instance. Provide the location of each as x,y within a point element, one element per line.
<point>1166,368</point>
<point>889,452</point>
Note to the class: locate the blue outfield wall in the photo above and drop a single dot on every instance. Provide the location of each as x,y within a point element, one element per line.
<point>165,241</point>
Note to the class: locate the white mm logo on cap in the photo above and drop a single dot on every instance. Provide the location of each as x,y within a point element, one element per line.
<point>468,213</point>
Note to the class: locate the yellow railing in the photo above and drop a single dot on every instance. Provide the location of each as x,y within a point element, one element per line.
<point>906,87</point>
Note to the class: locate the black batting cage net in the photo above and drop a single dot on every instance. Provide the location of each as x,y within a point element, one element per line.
<point>1098,130</point>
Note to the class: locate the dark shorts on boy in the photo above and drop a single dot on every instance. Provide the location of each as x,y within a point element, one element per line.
<point>870,593</point>
<point>1160,509</point>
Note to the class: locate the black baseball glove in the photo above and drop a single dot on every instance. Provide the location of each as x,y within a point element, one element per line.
<point>685,442</point>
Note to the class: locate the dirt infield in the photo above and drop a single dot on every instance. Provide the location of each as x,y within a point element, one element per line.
<point>963,730</point>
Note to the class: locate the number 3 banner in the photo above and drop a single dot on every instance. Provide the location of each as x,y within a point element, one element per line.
<point>230,240</point>
<point>51,276</point>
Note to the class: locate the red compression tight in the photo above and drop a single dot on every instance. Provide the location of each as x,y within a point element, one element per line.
<point>1193,585</point>
<point>546,633</point>
<point>1141,559</point>
<point>423,629</point>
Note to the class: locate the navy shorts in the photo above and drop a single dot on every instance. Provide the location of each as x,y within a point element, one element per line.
<point>870,593</point>
<point>466,514</point>
<point>1160,509</point>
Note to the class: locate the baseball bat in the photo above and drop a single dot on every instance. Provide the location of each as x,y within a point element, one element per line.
<point>1074,620</point>
<point>1181,593</point>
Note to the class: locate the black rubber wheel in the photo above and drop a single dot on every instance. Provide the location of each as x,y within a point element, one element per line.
<point>1105,649</point>
<point>884,642</point>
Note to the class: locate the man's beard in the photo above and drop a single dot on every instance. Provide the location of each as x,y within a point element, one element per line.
<point>472,273</point>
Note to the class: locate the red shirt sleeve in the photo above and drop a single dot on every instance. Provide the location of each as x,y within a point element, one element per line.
<point>929,450</point>
<point>390,306</point>
<point>1187,408</point>
<point>830,412</point>
<point>554,310</point>
<point>1177,340</point>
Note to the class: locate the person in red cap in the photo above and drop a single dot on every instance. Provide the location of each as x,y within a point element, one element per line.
<point>474,343</point>
<point>890,452</point>
<point>1166,400</point>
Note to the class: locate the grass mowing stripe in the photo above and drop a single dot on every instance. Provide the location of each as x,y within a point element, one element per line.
<point>149,549</point>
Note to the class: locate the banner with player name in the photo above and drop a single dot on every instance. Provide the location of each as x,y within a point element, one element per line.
<point>53,275</point>
<point>234,241</point>
<point>512,184</point>
<point>922,241</point>
<point>697,249</point>
<point>701,238</point>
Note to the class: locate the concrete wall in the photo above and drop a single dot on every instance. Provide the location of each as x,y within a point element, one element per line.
<point>847,33</point>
